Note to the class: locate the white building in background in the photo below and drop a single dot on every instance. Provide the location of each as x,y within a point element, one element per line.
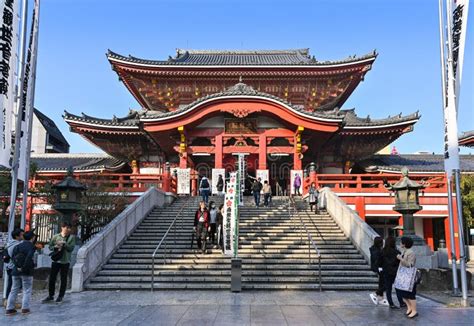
<point>46,136</point>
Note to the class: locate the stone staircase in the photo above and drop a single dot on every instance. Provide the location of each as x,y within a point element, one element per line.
<point>273,255</point>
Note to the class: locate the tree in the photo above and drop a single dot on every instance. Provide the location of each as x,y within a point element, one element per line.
<point>467,195</point>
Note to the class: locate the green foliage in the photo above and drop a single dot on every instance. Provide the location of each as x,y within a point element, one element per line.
<point>467,193</point>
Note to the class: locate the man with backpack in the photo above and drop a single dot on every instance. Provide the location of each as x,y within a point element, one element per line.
<point>61,246</point>
<point>17,236</point>
<point>204,189</point>
<point>256,189</point>
<point>22,257</point>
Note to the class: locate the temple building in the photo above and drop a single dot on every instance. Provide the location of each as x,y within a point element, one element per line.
<point>282,108</point>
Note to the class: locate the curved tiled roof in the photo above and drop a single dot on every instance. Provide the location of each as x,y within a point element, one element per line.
<point>414,162</point>
<point>467,138</point>
<point>239,58</point>
<point>131,120</point>
<point>79,162</point>
<point>352,120</point>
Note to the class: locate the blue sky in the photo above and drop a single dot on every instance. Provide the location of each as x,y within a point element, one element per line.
<point>74,74</point>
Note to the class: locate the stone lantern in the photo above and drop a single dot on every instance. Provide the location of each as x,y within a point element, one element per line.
<point>407,203</point>
<point>68,196</point>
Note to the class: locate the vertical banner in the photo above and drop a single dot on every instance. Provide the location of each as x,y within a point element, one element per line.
<point>293,175</point>
<point>230,214</point>
<point>184,181</point>
<point>458,35</point>
<point>215,177</point>
<point>27,104</point>
<point>264,176</point>
<point>9,39</point>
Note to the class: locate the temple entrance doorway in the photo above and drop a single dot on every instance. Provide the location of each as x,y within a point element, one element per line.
<point>279,167</point>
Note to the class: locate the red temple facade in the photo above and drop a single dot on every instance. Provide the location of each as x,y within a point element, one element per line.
<point>282,109</point>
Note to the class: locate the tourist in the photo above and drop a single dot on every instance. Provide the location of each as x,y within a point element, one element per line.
<point>297,184</point>
<point>17,236</point>
<point>201,226</point>
<point>313,197</point>
<point>220,226</point>
<point>22,257</point>
<point>267,193</point>
<point>408,259</point>
<point>61,246</point>
<point>390,266</point>
<point>256,189</point>
<point>204,188</point>
<point>376,266</point>
<point>213,222</point>
<point>220,185</point>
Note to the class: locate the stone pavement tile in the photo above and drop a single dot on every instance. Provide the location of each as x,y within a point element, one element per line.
<point>327,316</point>
<point>267,315</point>
<point>156,315</point>
<point>301,315</point>
<point>199,314</point>
<point>367,314</point>
<point>292,298</point>
<point>233,315</point>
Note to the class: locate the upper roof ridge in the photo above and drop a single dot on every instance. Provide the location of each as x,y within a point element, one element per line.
<point>304,51</point>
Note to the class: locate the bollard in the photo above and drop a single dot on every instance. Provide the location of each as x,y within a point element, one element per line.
<point>236,275</point>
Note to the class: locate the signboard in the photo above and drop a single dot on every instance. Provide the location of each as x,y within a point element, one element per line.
<point>9,23</point>
<point>184,181</point>
<point>264,176</point>
<point>293,175</point>
<point>215,178</point>
<point>230,222</point>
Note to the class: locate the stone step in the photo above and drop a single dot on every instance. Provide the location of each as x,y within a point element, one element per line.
<point>242,241</point>
<point>324,273</point>
<point>246,261</point>
<point>225,267</point>
<point>302,246</point>
<point>302,250</point>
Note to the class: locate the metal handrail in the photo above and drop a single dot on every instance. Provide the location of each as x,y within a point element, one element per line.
<point>172,225</point>
<point>292,207</point>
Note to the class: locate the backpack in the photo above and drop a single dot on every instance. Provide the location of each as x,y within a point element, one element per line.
<point>19,259</point>
<point>6,257</point>
<point>204,184</point>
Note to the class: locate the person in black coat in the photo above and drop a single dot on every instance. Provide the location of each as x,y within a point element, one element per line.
<point>376,267</point>
<point>390,267</point>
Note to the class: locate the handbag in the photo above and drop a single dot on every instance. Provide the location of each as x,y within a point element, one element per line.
<point>405,279</point>
<point>57,254</point>
<point>418,277</point>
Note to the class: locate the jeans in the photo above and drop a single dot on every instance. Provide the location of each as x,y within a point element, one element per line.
<point>266,199</point>
<point>55,269</point>
<point>18,282</point>
<point>201,231</point>
<point>389,280</point>
<point>205,196</point>
<point>256,196</point>
<point>212,235</point>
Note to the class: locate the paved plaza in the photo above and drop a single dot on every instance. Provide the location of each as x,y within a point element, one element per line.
<point>225,308</point>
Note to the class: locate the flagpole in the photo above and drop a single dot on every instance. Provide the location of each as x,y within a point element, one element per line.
<point>16,155</point>
<point>30,122</point>
<point>442,47</point>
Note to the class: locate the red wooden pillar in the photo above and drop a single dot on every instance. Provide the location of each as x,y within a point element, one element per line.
<point>360,206</point>
<point>428,232</point>
<point>400,223</point>
<point>262,152</point>
<point>218,157</point>
<point>166,178</point>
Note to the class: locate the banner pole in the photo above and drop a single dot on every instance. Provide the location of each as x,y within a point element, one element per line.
<point>462,249</point>
<point>16,155</point>
<point>451,236</point>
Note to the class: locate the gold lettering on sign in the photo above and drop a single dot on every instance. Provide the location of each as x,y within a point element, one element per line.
<point>240,126</point>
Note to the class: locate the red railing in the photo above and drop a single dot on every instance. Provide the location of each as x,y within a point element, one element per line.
<point>373,182</point>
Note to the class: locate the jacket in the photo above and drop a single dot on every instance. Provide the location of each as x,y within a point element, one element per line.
<point>70,244</point>
<point>220,184</point>
<point>408,258</point>
<point>27,249</point>
<point>267,189</point>
<point>313,195</point>
<point>206,217</point>
<point>10,246</point>
<point>257,186</point>
<point>375,258</point>
<point>390,261</point>
<point>220,218</point>
<point>297,181</point>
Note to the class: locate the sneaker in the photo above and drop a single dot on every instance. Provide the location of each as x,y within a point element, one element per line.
<point>48,299</point>
<point>374,299</point>
<point>10,312</point>
<point>394,307</point>
<point>383,302</point>
<point>59,300</point>
<point>25,311</point>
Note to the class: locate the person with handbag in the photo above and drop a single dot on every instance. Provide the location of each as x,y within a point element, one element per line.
<point>61,246</point>
<point>390,267</point>
<point>407,260</point>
